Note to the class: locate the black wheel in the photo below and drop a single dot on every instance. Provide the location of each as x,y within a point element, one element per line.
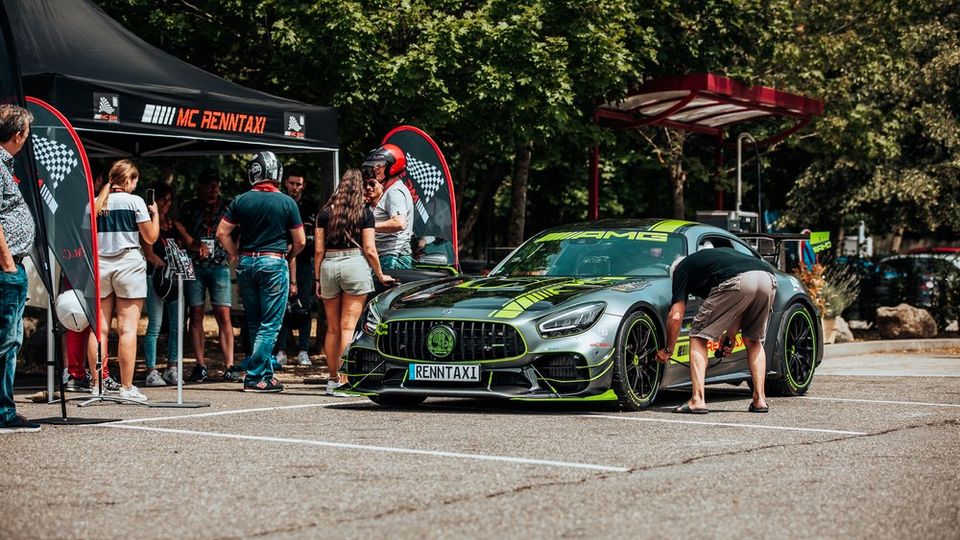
<point>795,354</point>
<point>398,402</point>
<point>636,372</point>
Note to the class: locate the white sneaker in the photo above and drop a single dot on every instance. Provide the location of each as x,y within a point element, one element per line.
<point>304,359</point>
<point>132,393</point>
<point>281,358</point>
<point>170,376</point>
<point>334,389</point>
<point>95,391</point>
<point>154,379</point>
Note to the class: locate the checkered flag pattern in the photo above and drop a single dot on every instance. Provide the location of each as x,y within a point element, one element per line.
<point>58,159</point>
<point>293,125</point>
<point>105,106</point>
<point>427,177</point>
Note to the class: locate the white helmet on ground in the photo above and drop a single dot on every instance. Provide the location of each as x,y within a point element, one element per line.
<point>70,311</point>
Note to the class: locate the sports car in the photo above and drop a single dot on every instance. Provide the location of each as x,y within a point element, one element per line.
<point>575,313</point>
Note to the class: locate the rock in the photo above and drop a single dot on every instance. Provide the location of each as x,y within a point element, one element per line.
<point>905,321</point>
<point>842,332</point>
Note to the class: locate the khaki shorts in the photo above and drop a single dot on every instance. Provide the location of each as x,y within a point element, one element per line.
<point>748,296</point>
<point>345,271</point>
<point>124,275</point>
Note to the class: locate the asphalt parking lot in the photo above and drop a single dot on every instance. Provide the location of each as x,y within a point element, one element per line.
<point>872,451</point>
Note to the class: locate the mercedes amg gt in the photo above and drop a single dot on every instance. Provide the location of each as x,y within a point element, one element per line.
<point>575,313</point>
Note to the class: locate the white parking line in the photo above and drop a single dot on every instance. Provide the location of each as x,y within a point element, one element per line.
<point>882,401</point>
<point>434,453</point>
<point>725,424</point>
<point>236,411</point>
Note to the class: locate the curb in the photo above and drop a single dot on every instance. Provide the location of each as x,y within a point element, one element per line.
<point>840,350</point>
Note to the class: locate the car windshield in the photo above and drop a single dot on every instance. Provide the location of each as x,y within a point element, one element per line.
<point>594,253</point>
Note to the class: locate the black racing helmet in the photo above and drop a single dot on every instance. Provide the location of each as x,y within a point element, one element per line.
<point>395,162</point>
<point>265,167</point>
<point>165,284</point>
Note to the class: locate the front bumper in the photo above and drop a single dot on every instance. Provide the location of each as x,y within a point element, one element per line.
<point>578,367</point>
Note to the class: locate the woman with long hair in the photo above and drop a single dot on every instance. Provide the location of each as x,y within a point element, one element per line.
<point>171,230</point>
<point>122,220</point>
<point>345,250</point>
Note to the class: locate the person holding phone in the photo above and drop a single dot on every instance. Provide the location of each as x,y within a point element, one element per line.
<point>123,219</point>
<point>171,230</point>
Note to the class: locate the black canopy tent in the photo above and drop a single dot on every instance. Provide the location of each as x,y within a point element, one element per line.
<point>128,98</point>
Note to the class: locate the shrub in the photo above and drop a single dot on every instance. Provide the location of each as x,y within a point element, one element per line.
<point>832,290</point>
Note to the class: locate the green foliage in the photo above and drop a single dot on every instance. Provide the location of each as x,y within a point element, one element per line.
<point>485,77</point>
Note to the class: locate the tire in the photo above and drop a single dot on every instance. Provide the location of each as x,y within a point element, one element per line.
<point>795,354</point>
<point>398,402</point>
<point>636,372</point>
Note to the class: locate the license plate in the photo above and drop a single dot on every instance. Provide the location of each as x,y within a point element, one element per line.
<point>444,372</point>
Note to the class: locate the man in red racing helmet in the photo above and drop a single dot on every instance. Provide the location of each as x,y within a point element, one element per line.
<point>393,211</point>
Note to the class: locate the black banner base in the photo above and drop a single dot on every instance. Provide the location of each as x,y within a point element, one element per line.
<point>61,421</point>
<point>176,405</point>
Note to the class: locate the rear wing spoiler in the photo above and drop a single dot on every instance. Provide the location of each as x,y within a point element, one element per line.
<point>770,245</point>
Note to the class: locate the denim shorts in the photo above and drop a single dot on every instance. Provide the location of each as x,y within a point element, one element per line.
<point>345,271</point>
<point>123,274</point>
<point>215,279</point>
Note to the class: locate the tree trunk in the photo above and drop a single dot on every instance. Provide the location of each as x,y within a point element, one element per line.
<point>678,176</point>
<point>483,192</point>
<point>518,195</point>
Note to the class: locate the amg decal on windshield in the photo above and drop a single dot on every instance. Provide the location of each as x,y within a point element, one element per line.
<point>644,236</point>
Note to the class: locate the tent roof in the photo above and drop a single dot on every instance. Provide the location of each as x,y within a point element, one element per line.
<point>126,97</point>
<point>704,103</point>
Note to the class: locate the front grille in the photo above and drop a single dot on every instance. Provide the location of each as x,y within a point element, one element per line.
<point>474,341</point>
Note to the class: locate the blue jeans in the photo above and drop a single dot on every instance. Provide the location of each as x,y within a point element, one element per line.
<point>305,284</point>
<point>155,308</point>
<point>396,262</point>
<point>13,297</point>
<point>264,284</point>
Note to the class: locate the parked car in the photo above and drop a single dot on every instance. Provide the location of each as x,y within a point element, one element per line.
<point>576,313</point>
<point>928,280</point>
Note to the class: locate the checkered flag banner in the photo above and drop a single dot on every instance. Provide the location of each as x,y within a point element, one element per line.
<point>428,177</point>
<point>430,184</point>
<point>58,159</point>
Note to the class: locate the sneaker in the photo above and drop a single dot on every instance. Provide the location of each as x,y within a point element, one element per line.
<point>199,373</point>
<point>233,374</point>
<point>154,379</point>
<point>280,358</point>
<point>171,376</point>
<point>303,359</point>
<point>263,386</point>
<point>132,393</point>
<point>19,425</point>
<point>334,388</point>
<point>76,385</point>
<point>110,385</point>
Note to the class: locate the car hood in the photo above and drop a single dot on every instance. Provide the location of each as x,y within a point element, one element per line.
<point>505,297</point>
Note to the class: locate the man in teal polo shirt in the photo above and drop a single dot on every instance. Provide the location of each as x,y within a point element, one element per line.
<point>268,221</point>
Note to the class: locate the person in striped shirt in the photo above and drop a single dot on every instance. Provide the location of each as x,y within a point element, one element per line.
<point>122,219</point>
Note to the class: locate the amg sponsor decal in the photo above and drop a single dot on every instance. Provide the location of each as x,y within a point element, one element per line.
<point>642,236</point>
<point>203,119</point>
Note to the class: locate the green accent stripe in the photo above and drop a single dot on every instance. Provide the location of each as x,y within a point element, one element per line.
<point>609,395</point>
<point>670,225</point>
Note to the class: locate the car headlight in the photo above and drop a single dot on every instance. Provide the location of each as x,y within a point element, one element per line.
<point>371,320</point>
<point>571,321</point>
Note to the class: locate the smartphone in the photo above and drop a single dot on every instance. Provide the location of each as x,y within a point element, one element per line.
<point>150,197</point>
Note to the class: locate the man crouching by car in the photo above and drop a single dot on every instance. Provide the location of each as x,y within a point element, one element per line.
<point>738,292</point>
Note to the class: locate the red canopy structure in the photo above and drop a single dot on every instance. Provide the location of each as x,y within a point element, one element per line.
<point>702,103</point>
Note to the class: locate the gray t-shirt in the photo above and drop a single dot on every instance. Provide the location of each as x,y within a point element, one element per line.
<point>396,200</point>
<point>15,217</point>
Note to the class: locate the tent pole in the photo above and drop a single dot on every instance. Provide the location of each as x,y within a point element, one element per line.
<point>51,334</point>
<point>336,170</point>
